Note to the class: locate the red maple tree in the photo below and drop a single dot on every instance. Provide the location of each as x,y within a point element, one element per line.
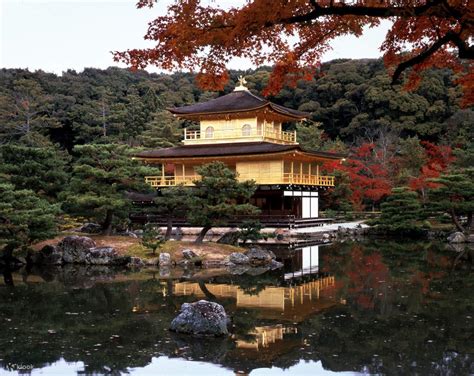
<point>293,35</point>
<point>369,178</point>
<point>438,158</point>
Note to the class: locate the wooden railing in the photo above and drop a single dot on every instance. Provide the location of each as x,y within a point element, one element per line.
<point>264,132</point>
<point>296,179</point>
<point>169,181</point>
<point>306,179</point>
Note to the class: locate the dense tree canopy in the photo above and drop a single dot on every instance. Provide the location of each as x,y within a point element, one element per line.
<point>101,178</point>
<point>24,218</point>
<point>293,35</point>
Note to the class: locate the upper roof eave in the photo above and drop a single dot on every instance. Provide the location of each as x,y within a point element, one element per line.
<point>235,102</point>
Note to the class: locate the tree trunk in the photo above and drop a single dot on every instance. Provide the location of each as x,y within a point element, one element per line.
<point>7,277</point>
<point>107,225</point>
<point>202,234</point>
<point>169,228</point>
<point>456,221</point>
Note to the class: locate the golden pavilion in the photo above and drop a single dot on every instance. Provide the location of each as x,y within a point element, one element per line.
<point>245,132</point>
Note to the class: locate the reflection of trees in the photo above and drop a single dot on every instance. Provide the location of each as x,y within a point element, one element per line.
<point>405,305</point>
<point>405,312</point>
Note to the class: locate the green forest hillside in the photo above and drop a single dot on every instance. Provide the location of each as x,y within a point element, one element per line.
<point>352,99</point>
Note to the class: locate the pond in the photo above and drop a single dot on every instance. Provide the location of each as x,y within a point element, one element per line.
<point>369,308</point>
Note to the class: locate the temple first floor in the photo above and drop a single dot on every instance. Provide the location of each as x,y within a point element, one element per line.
<point>301,202</point>
<point>280,206</point>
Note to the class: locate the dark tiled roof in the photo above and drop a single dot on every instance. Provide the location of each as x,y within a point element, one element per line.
<point>215,150</point>
<point>234,102</point>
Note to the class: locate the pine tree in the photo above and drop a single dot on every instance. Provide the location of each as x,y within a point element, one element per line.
<point>102,175</point>
<point>42,170</point>
<point>400,212</point>
<point>455,196</point>
<point>152,238</point>
<point>24,218</point>
<point>219,197</point>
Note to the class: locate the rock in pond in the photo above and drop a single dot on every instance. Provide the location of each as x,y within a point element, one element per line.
<point>75,248</point>
<point>202,318</point>
<point>164,259</point>
<point>239,258</point>
<point>259,257</point>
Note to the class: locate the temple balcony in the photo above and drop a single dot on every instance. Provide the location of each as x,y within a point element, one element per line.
<point>269,179</point>
<point>240,134</point>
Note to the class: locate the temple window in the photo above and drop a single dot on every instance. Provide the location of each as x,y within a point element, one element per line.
<point>246,129</point>
<point>209,132</point>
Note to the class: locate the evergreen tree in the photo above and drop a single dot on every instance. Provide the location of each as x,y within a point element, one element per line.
<point>162,131</point>
<point>101,177</point>
<point>42,170</point>
<point>400,212</point>
<point>251,230</point>
<point>219,197</point>
<point>455,196</point>
<point>24,218</point>
<point>173,202</point>
<point>152,238</point>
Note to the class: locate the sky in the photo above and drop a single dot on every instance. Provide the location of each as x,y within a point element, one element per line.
<point>56,35</point>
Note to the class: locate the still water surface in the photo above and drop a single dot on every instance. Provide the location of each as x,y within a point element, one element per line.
<point>369,308</point>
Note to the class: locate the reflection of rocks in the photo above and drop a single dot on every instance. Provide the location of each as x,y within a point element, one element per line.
<point>165,271</point>
<point>201,318</point>
<point>188,272</point>
<point>213,349</point>
<point>275,265</point>
<point>237,269</point>
<point>257,270</point>
<point>78,276</point>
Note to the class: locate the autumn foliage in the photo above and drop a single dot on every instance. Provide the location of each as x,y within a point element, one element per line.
<point>438,158</point>
<point>293,36</point>
<point>369,178</point>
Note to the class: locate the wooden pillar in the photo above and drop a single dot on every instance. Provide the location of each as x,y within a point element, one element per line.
<point>291,172</point>
<point>317,174</point>
<point>162,173</point>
